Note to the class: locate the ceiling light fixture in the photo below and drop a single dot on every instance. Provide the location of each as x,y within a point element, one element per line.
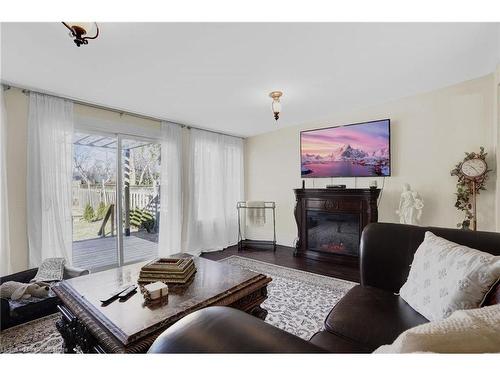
<point>276,95</point>
<point>81,31</point>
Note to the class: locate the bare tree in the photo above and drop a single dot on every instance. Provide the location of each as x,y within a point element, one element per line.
<point>104,171</point>
<point>95,167</point>
<point>83,166</point>
<point>145,163</point>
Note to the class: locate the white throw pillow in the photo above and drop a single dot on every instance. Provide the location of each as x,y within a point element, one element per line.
<point>445,277</point>
<point>465,331</point>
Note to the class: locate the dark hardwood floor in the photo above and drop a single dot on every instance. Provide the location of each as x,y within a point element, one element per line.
<point>284,257</point>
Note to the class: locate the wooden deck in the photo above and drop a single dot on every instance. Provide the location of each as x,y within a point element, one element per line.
<point>101,253</point>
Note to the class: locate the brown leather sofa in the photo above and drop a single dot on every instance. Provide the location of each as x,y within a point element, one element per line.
<point>368,316</point>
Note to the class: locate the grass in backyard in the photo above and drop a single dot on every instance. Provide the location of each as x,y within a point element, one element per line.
<point>84,230</point>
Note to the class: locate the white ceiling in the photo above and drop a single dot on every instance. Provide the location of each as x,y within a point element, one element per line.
<point>218,76</point>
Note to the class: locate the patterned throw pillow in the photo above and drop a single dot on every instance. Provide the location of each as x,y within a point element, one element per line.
<point>445,277</point>
<point>51,269</point>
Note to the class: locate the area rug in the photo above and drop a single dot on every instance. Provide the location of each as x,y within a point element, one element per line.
<point>37,336</point>
<point>298,302</point>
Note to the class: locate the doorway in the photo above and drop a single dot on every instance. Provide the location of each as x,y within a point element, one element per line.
<point>115,199</point>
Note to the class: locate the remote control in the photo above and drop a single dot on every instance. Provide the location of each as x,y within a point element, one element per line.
<point>115,294</point>
<point>123,295</point>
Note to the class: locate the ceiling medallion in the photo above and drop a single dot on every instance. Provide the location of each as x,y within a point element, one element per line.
<point>276,105</point>
<point>82,31</point>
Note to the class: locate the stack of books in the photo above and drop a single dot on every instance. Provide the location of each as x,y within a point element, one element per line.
<point>168,271</point>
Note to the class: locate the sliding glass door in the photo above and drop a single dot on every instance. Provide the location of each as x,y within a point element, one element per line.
<point>115,200</point>
<point>94,201</point>
<point>140,198</point>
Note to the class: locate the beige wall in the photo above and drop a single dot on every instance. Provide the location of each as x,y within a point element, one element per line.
<point>429,132</point>
<point>17,122</point>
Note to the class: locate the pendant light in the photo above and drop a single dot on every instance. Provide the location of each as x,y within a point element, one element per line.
<point>81,32</point>
<point>276,105</point>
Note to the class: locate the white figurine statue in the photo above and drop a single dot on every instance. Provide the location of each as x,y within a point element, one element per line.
<point>410,206</point>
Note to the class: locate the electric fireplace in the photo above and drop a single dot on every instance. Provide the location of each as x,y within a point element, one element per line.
<point>330,223</point>
<point>336,233</point>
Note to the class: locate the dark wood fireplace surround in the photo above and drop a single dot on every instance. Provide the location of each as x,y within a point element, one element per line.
<point>358,203</point>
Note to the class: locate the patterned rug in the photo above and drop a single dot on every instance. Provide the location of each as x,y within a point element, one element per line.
<point>37,336</point>
<point>298,302</point>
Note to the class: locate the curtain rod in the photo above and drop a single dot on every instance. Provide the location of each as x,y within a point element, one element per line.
<point>26,90</point>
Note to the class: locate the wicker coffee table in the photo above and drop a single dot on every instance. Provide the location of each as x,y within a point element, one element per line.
<point>132,326</point>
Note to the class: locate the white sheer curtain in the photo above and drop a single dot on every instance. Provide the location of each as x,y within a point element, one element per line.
<point>215,184</point>
<point>5,261</point>
<point>170,190</point>
<point>50,132</point>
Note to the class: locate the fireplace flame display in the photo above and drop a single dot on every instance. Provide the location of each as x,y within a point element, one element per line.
<point>333,247</point>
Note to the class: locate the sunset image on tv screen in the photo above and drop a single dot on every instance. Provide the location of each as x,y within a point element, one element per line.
<point>360,150</point>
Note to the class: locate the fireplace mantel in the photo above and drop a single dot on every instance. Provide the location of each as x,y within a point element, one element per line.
<point>328,211</point>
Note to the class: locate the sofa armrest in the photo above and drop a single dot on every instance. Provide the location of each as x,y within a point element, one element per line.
<point>28,275</point>
<point>4,313</point>
<point>5,308</point>
<point>71,272</point>
<point>22,277</point>
<point>221,329</point>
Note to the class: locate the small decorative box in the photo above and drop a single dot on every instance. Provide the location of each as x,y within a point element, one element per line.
<point>156,290</point>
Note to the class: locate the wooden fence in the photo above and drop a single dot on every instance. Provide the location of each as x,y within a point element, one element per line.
<point>140,196</point>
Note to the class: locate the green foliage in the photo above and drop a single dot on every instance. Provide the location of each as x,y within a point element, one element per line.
<point>88,213</point>
<point>101,211</point>
<point>142,219</point>
<point>465,189</point>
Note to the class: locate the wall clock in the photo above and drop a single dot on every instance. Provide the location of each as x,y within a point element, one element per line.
<point>472,174</point>
<point>472,169</point>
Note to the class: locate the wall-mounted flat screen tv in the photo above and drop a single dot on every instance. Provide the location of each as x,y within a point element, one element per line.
<point>357,150</point>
